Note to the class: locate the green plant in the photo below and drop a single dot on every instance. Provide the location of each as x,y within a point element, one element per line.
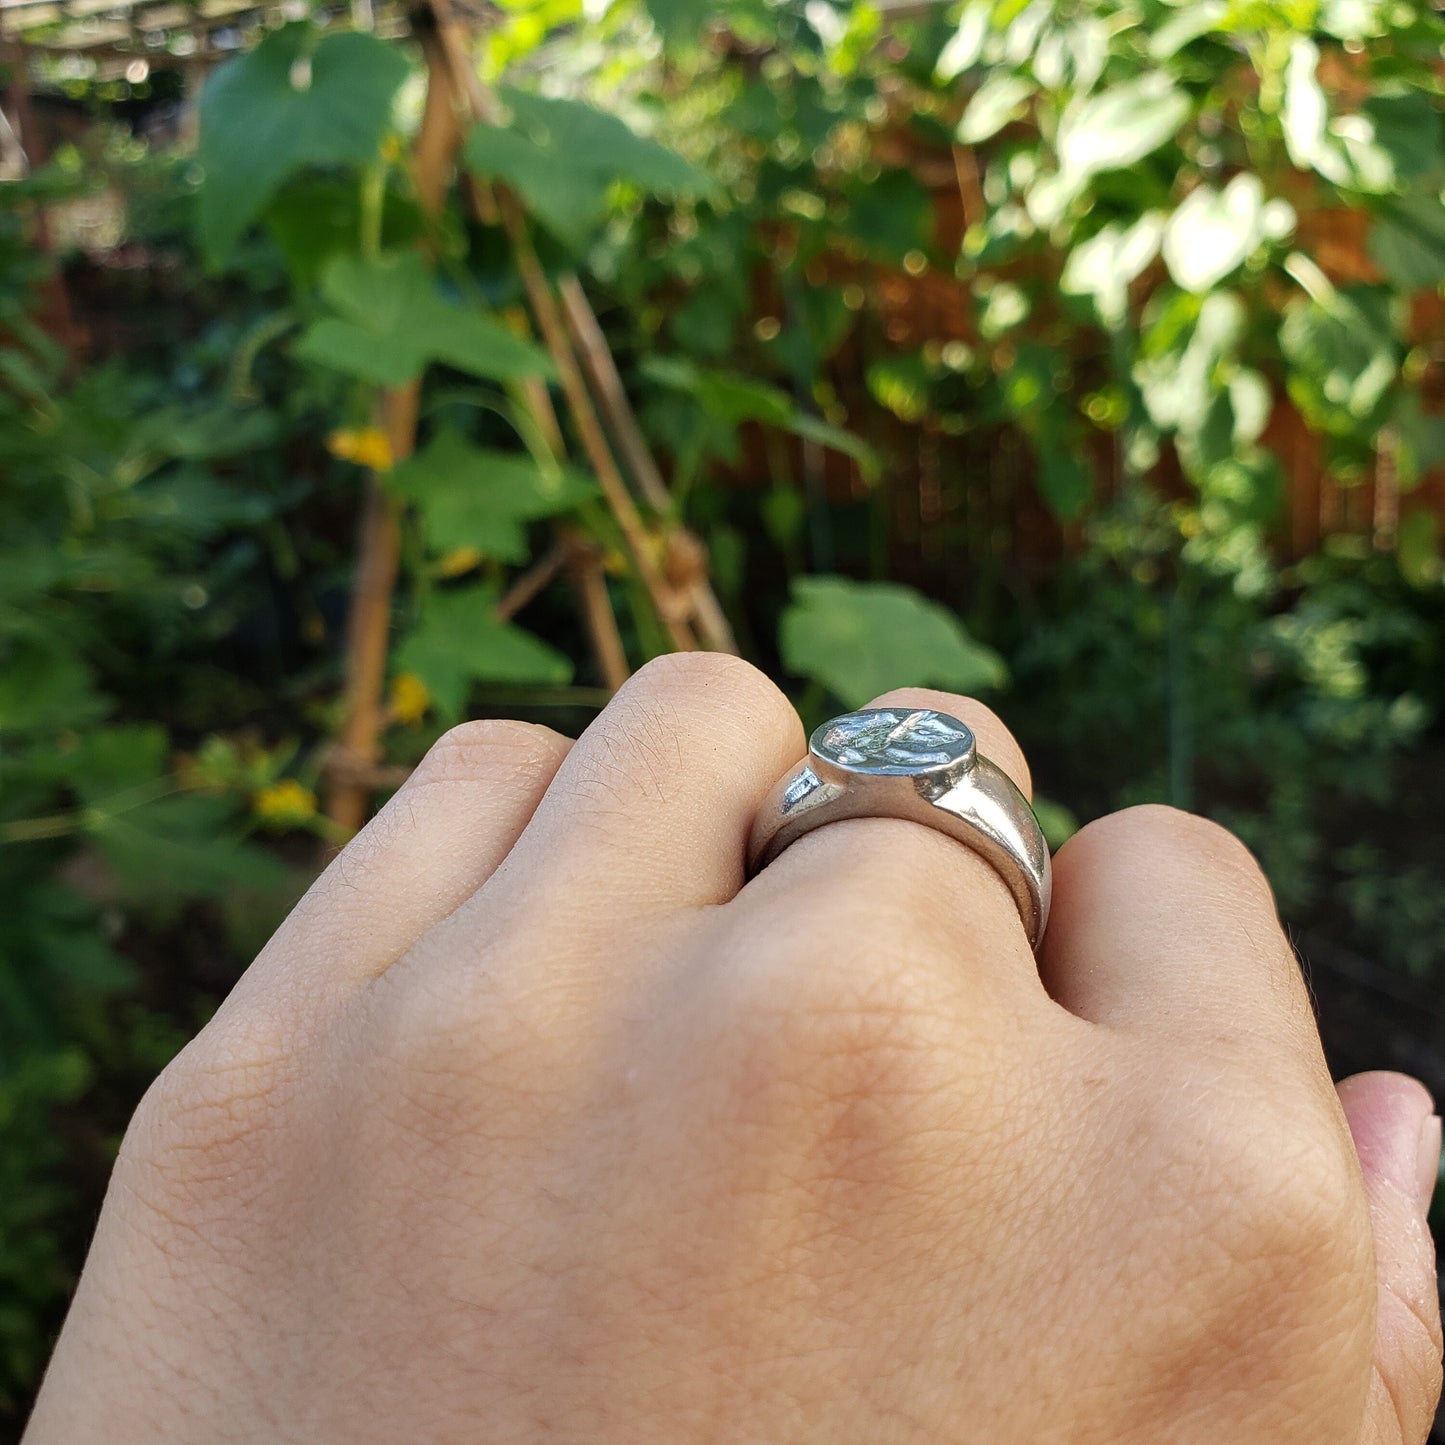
<point>319,332</point>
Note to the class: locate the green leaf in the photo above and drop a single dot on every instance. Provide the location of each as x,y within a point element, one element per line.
<point>1420,440</point>
<point>901,383</point>
<point>1065,480</point>
<point>1186,25</point>
<point>1119,127</point>
<point>201,433</point>
<point>469,497</point>
<point>860,639</point>
<point>1103,266</point>
<point>994,104</point>
<point>890,215</point>
<point>1183,373</point>
<point>181,846</point>
<point>964,49</point>
<point>394,322</point>
<point>1056,821</point>
<point>1212,233</point>
<point>297,100</point>
<point>730,399</point>
<point>1407,242</point>
<point>461,640</point>
<point>561,156</point>
<point>115,760</point>
<point>1305,114</point>
<point>1343,358</point>
<point>1406,127</point>
<point>42,689</point>
<point>1417,549</point>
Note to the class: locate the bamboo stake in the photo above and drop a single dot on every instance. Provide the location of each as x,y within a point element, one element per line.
<point>466,85</point>
<point>589,581</point>
<point>379,543</point>
<point>583,560</point>
<point>683,547</point>
<point>601,369</point>
<point>532,582</point>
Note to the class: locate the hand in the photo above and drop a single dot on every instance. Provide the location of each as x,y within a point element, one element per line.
<point>534,1123</point>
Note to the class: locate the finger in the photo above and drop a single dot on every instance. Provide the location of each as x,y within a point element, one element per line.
<point>947,891</point>
<point>440,837</point>
<point>650,812</point>
<point>1162,922</point>
<point>1397,1136</point>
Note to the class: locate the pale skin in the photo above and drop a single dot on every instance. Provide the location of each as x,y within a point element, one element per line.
<point>535,1122</point>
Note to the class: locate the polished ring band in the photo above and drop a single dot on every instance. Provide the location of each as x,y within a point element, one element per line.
<point>919,765</point>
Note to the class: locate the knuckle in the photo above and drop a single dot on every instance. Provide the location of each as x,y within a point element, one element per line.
<point>688,670</point>
<point>490,750</point>
<point>1155,829</point>
<point>718,685</point>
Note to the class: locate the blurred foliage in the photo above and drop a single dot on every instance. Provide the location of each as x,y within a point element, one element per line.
<point>1140,297</point>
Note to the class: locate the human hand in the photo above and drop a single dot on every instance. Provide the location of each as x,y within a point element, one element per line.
<point>534,1123</point>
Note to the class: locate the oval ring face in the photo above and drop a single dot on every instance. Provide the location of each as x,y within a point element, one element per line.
<point>886,741</point>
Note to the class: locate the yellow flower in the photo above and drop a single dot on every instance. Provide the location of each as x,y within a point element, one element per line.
<point>409,698</point>
<point>285,804</point>
<point>366,446</point>
<point>458,560</point>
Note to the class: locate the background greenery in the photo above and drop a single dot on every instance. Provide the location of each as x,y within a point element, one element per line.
<point>1020,432</point>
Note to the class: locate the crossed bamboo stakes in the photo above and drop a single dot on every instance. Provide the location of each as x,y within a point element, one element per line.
<point>669,562</point>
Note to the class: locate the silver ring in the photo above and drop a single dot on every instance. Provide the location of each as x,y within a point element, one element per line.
<point>923,766</point>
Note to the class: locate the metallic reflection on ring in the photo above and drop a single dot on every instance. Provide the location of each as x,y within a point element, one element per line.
<point>922,766</point>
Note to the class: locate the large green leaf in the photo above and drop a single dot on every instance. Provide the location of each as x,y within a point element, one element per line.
<point>860,639</point>
<point>561,156</point>
<point>469,497</point>
<point>1118,127</point>
<point>393,321</point>
<point>299,99</point>
<point>461,640</point>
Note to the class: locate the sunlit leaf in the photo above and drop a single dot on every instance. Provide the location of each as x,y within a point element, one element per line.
<point>1119,126</point>
<point>996,102</point>
<point>560,156</point>
<point>1103,266</point>
<point>1212,233</point>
